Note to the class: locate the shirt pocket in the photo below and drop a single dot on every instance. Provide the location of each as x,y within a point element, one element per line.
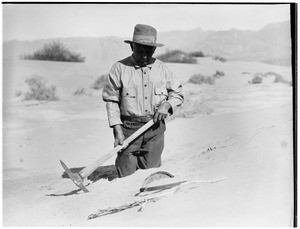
<point>129,93</point>
<point>160,95</point>
<point>129,98</point>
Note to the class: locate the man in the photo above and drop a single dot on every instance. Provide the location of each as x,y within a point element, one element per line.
<point>140,88</point>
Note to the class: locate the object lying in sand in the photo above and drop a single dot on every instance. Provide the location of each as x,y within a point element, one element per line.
<point>154,176</point>
<point>174,189</point>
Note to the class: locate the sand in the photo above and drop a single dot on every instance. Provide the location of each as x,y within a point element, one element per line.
<point>236,133</point>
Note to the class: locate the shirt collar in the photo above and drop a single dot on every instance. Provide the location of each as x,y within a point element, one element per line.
<point>137,66</point>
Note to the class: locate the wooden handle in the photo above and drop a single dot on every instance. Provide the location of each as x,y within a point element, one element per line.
<point>91,168</point>
<point>137,133</point>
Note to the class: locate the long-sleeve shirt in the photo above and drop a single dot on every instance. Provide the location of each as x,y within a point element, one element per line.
<point>132,90</point>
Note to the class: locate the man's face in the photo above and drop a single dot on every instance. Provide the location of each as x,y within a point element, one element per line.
<point>142,54</point>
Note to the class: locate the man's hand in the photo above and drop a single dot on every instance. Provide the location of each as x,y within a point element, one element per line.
<point>162,112</point>
<point>118,135</point>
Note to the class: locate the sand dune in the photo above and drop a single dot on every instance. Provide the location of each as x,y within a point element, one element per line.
<point>238,133</point>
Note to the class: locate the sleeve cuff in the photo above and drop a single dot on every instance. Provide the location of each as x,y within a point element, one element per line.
<point>175,104</point>
<point>110,98</point>
<point>114,122</point>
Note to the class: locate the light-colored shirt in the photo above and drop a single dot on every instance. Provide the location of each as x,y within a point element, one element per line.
<point>132,90</point>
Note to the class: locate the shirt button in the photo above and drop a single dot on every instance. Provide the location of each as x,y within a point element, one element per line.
<point>145,72</point>
<point>146,110</point>
<point>145,85</point>
<point>146,97</point>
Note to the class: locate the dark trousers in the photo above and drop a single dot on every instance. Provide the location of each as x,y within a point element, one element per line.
<point>144,152</point>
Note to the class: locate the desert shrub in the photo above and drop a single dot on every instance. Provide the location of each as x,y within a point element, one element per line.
<point>272,74</point>
<point>256,80</point>
<point>83,91</point>
<point>278,78</point>
<point>99,82</point>
<point>259,75</point>
<point>219,74</point>
<point>193,105</point>
<point>40,90</point>
<point>197,54</point>
<point>55,51</point>
<point>177,56</point>
<point>218,58</point>
<point>18,93</point>
<point>201,79</point>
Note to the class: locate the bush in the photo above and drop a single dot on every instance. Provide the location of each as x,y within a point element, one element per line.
<point>197,54</point>
<point>193,105</point>
<point>219,74</point>
<point>55,51</point>
<point>201,79</point>
<point>256,80</point>
<point>83,91</point>
<point>177,56</point>
<point>259,75</point>
<point>278,78</point>
<point>218,58</point>
<point>100,82</point>
<point>272,74</point>
<point>39,90</point>
<point>18,93</point>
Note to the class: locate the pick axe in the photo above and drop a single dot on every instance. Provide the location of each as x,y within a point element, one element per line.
<point>78,178</point>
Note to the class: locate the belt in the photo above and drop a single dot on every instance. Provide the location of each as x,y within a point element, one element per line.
<point>142,119</point>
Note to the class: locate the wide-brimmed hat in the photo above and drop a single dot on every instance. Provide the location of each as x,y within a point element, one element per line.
<point>144,35</point>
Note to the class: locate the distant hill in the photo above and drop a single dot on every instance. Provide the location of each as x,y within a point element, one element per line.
<point>271,44</point>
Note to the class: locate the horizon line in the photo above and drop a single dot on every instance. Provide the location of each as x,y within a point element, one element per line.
<point>115,36</point>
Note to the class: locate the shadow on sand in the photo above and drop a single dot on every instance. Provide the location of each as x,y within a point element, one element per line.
<point>108,172</point>
<point>103,172</point>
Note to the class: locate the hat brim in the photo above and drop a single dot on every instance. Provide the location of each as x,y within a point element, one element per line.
<point>147,44</point>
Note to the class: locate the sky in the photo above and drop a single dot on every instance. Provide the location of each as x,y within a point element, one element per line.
<point>43,21</point>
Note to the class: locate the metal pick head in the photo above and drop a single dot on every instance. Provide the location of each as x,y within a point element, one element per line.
<point>75,177</point>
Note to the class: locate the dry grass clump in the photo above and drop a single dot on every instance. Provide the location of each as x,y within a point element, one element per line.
<point>278,78</point>
<point>83,91</point>
<point>256,80</point>
<point>197,54</point>
<point>99,82</point>
<point>193,105</point>
<point>271,74</point>
<point>219,74</point>
<point>177,56</point>
<point>201,79</point>
<point>55,51</point>
<point>40,90</point>
<point>18,93</point>
<point>219,58</point>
